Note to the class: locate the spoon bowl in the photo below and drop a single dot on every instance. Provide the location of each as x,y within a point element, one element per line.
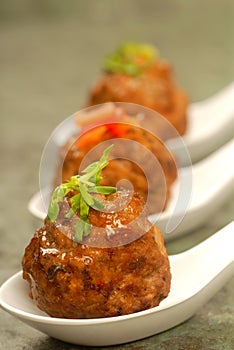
<point>197,274</point>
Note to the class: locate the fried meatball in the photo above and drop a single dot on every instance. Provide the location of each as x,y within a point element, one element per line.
<point>153,87</point>
<point>144,161</point>
<point>80,280</point>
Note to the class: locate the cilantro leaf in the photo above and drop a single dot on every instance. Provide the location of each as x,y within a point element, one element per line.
<point>84,187</point>
<point>130,58</point>
<point>53,211</point>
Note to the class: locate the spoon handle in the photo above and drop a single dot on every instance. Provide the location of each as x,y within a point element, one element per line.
<point>199,273</point>
<point>213,177</point>
<point>209,263</point>
<point>210,183</point>
<point>217,250</point>
<point>211,123</point>
<point>218,108</point>
<point>213,255</point>
<point>222,100</point>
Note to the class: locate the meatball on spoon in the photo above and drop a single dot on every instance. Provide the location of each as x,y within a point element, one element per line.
<point>196,194</point>
<point>136,73</point>
<point>197,275</point>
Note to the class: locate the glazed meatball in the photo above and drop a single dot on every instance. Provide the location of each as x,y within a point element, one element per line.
<point>152,86</point>
<point>121,267</point>
<point>144,160</point>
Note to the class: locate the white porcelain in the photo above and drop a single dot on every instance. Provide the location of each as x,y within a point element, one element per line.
<point>210,125</point>
<point>198,192</point>
<point>197,274</point>
<point>210,185</point>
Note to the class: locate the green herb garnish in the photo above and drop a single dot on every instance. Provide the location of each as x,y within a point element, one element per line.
<point>84,186</point>
<point>130,58</point>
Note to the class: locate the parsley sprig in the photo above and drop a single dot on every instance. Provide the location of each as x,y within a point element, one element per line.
<point>84,187</point>
<point>130,58</point>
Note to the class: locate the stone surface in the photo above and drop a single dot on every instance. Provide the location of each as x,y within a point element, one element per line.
<point>49,57</point>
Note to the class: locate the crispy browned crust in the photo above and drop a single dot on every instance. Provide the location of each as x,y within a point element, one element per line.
<point>152,177</point>
<point>73,280</point>
<point>155,88</point>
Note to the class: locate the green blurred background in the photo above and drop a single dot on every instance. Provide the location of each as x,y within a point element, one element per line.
<point>50,55</point>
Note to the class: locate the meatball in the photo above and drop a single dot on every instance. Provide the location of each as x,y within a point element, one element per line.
<point>154,86</point>
<point>128,272</point>
<point>144,161</point>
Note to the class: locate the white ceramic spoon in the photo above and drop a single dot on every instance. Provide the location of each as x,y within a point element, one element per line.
<point>198,192</point>
<point>197,274</point>
<point>210,125</point>
<point>210,184</point>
